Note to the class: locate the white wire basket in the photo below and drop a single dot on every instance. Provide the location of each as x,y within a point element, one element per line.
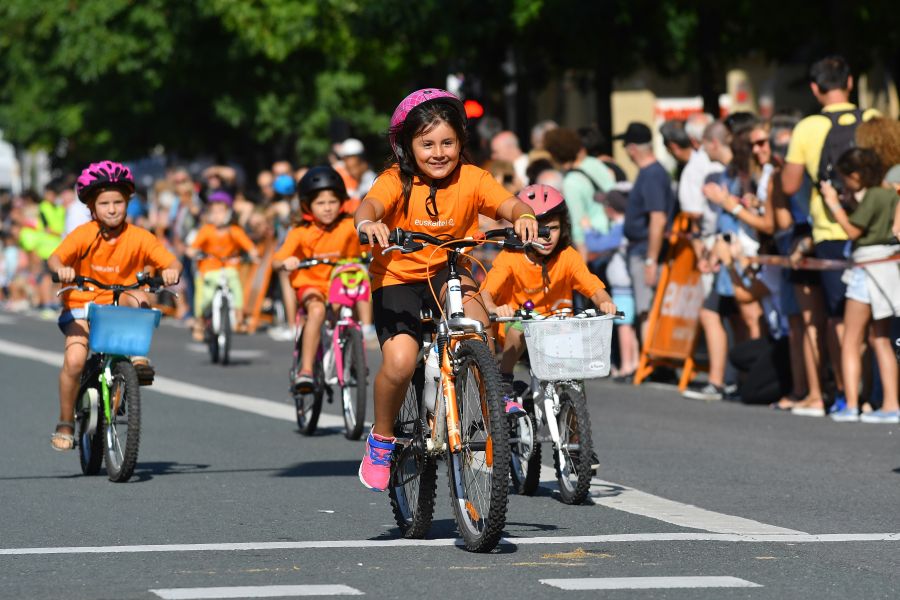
<point>573,348</point>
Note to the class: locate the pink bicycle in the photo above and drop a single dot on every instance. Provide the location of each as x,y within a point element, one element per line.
<point>341,357</point>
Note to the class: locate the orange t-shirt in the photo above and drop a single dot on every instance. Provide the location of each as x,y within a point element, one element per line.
<point>221,245</point>
<point>110,262</point>
<point>312,241</point>
<point>469,192</point>
<point>513,279</point>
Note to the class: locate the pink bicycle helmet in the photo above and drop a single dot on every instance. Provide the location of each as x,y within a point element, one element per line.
<point>104,174</point>
<point>221,197</point>
<point>543,199</point>
<point>418,98</point>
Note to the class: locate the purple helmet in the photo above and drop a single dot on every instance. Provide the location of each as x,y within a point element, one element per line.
<point>104,174</point>
<point>418,98</point>
<point>221,197</point>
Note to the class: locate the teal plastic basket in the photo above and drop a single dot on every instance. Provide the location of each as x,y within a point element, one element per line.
<point>122,330</point>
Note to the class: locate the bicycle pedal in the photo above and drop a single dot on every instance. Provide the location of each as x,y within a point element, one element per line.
<point>145,374</point>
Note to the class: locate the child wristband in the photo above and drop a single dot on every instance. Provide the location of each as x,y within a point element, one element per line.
<point>363,222</point>
<point>528,216</point>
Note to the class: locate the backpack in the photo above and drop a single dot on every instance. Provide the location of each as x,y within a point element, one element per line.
<point>840,138</point>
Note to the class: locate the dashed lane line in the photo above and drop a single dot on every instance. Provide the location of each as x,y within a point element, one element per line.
<point>256,591</point>
<point>627,538</point>
<point>647,583</point>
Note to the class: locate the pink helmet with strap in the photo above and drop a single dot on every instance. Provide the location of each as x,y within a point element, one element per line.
<point>543,199</point>
<point>104,174</point>
<point>418,98</point>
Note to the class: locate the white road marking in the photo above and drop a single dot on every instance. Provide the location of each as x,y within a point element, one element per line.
<point>181,389</point>
<point>626,499</point>
<point>628,538</point>
<point>648,583</point>
<point>7,320</point>
<point>237,353</point>
<point>263,591</point>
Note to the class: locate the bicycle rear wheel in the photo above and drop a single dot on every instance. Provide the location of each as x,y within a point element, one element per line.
<point>574,422</point>
<point>122,433</point>
<point>307,402</point>
<point>479,473</point>
<point>353,392</point>
<point>413,485</point>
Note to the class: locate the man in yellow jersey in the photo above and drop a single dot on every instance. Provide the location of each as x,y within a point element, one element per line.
<point>816,143</point>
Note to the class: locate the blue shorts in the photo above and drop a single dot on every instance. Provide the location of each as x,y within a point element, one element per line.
<point>71,314</point>
<point>857,286</point>
<point>624,303</point>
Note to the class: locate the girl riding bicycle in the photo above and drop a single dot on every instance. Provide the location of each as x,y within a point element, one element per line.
<point>220,240</point>
<point>323,231</point>
<point>110,251</point>
<point>431,187</point>
<point>545,277</point>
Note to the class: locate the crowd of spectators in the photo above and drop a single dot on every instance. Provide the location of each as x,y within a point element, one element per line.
<point>774,332</point>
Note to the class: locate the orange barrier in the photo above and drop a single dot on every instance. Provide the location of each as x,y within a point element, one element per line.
<point>256,282</point>
<point>673,321</point>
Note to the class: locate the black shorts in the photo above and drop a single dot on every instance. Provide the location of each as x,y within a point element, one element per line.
<point>832,287</point>
<point>398,308</point>
<point>725,306</point>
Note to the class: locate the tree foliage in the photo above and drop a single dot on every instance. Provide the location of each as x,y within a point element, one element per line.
<point>260,79</point>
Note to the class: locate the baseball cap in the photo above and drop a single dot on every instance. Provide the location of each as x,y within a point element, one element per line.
<point>893,175</point>
<point>635,133</point>
<point>351,147</point>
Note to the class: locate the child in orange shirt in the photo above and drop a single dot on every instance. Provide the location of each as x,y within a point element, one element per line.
<point>221,241</point>
<point>546,277</point>
<point>110,251</point>
<point>432,188</point>
<point>324,232</point>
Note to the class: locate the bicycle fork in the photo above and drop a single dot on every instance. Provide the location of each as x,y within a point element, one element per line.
<point>551,411</point>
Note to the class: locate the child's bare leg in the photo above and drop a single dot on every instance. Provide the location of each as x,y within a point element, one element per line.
<point>76,351</point>
<point>364,312</point>
<point>513,348</point>
<point>312,330</point>
<point>400,354</point>
<point>628,349</point>
<point>887,363</point>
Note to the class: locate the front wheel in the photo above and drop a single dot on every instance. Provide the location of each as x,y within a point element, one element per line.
<point>123,429</point>
<point>307,402</point>
<point>574,473</point>
<point>413,484</point>
<point>479,472</point>
<point>353,392</point>
<point>223,336</point>
<point>89,428</point>
<point>525,456</point>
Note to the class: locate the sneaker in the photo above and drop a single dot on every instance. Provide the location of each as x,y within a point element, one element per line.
<point>375,468</point>
<point>808,411</point>
<point>709,392</point>
<point>881,416</point>
<point>845,415</point>
<point>513,409</point>
<point>839,404</point>
<point>304,381</point>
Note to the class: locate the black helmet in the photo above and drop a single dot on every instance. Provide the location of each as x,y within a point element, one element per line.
<point>320,178</point>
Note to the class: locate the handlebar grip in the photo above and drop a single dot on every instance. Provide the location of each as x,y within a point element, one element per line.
<point>155,282</point>
<point>543,231</point>
<point>363,239</point>
<point>78,281</point>
<point>394,237</point>
<point>54,277</point>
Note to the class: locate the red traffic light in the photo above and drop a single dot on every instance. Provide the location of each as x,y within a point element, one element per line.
<point>474,109</point>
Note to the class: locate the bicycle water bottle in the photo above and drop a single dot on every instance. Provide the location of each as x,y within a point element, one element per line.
<point>432,387</point>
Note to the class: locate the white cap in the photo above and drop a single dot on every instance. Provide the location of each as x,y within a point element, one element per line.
<point>351,147</point>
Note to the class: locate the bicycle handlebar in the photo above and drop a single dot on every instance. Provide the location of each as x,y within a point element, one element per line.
<point>406,240</point>
<point>527,315</point>
<point>313,262</point>
<point>154,283</point>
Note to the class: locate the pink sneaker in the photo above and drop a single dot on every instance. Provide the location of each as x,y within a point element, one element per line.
<point>375,468</point>
<point>514,409</point>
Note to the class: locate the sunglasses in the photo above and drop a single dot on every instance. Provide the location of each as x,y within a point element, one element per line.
<point>758,143</point>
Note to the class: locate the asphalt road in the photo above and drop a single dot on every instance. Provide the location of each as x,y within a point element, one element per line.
<point>230,501</point>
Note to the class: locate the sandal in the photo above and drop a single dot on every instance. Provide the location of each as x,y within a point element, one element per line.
<point>61,442</point>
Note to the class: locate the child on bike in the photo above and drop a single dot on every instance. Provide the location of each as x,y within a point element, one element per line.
<point>323,231</point>
<point>110,251</point>
<point>431,187</point>
<point>219,241</point>
<point>545,277</point>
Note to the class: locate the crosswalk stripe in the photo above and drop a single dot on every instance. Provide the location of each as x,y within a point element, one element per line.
<point>648,583</point>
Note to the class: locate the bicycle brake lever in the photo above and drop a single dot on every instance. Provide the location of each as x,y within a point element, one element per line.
<point>411,249</point>
<point>392,248</point>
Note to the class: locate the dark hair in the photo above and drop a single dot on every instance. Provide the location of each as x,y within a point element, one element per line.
<point>673,132</point>
<point>830,73</point>
<point>423,119</point>
<point>865,163</point>
<point>593,140</point>
<point>563,144</point>
<point>535,168</point>
<point>740,121</point>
